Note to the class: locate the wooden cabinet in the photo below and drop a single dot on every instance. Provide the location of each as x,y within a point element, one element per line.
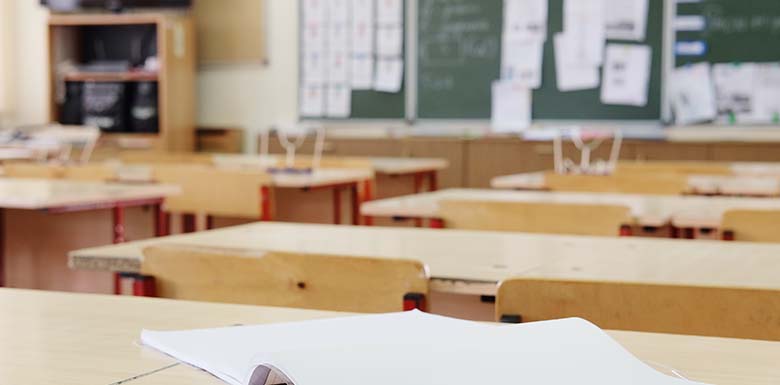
<point>102,41</point>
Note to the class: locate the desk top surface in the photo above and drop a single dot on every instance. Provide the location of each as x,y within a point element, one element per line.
<point>75,339</point>
<point>648,210</point>
<point>38,194</point>
<point>489,257</point>
<point>747,184</point>
<point>382,165</point>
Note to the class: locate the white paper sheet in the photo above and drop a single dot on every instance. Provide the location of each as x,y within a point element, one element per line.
<point>362,26</point>
<point>521,62</point>
<point>572,74</point>
<point>734,89</point>
<point>766,97</point>
<point>339,36</point>
<point>315,11</point>
<point>338,11</point>
<point>312,101</point>
<point>314,37</point>
<point>584,23</point>
<point>338,67</point>
<point>693,94</point>
<point>389,41</point>
<point>339,101</point>
<point>391,349</point>
<point>626,19</point>
<point>362,72</point>
<point>511,107</point>
<point>389,12</point>
<point>525,19</point>
<point>389,75</point>
<point>626,75</point>
<point>315,67</point>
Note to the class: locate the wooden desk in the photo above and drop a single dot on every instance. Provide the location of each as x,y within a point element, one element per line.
<point>79,339</point>
<point>737,185</point>
<point>473,262</point>
<point>56,197</point>
<point>648,210</point>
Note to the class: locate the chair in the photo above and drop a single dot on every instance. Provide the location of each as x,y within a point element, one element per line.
<point>694,310</point>
<point>532,217</point>
<point>684,168</point>
<point>232,193</point>
<point>751,225</point>
<point>656,184</point>
<point>286,279</point>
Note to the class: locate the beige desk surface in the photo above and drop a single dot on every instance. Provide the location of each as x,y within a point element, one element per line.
<point>747,184</point>
<point>471,262</point>
<point>381,165</point>
<point>76,339</point>
<point>35,194</point>
<point>648,210</point>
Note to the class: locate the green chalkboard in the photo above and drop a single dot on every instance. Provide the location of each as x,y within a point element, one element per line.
<point>368,104</point>
<point>459,56</point>
<point>736,31</point>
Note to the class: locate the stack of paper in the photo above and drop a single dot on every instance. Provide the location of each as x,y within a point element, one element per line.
<point>692,94</point>
<point>410,347</point>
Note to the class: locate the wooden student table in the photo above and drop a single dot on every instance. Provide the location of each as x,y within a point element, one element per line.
<point>744,185</point>
<point>58,197</point>
<point>473,262</point>
<point>647,210</point>
<point>76,339</point>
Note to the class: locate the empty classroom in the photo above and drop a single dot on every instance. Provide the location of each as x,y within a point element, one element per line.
<point>321,192</point>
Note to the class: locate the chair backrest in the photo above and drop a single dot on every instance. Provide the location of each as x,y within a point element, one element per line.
<point>694,310</point>
<point>233,193</point>
<point>535,217</point>
<point>284,279</point>
<point>85,172</point>
<point>657,184</point>
<point>67,138</point>
<point>685,168</point>
<point>156,157</point>
<point>752,225</point>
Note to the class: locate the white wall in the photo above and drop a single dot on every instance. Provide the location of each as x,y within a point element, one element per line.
<point>249,97</point>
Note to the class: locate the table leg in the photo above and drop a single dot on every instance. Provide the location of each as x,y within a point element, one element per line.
<point>337,205</point>
<point>2,247</point>
<point>162,221</point>
<point>418,182</point>
<point>436,223</point>
<point>433,181</point>
<point>188,223</point>
<point>119,224</point>
<point>265,204</point>
<point>209,222</point>
<point>368,195</point>
<point>355,197</point>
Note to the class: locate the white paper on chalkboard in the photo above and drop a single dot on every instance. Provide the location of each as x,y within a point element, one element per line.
<point>362,72</point>
<point>584,23</point>
<point>338,11</point>
<point>338,101</point>
<point>362,35</point>
<point>693,94</point>
<point>314,35</point>
<point>389,12</point>
<point>389,41</point>
<point>389,75</point>
<point>339,36</point>
<point>735,85</point>
<point>511,107</point>
<point>338,67</point>
<point>626,75</point>
<point>312,101</point>
<point>766,97</point>
<point>315,11</point>
<point>315,67</point>
<point>573,74</point>
<point>626,19</point>
<point>525,19</point>
<point>521,62</point>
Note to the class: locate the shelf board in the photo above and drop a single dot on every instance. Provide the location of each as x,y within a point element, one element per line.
<point>132,76</point>
<point>80,19</point>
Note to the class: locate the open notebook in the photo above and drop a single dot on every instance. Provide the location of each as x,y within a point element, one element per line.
<point>411,347</point>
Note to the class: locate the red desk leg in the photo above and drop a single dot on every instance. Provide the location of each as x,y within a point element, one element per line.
<point>117,283</point>
<point>433,181</point>
<point>368,195</point>
<point>119,224</point>
<point>188,223</point>
<point>355,197</point>
<point>437,223</point>
<point>418,182</point>
<point>265,204</point>
<point>337,205</point>
<point>209,222</point>
<point>162,221</point>
<point>2,247</point>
